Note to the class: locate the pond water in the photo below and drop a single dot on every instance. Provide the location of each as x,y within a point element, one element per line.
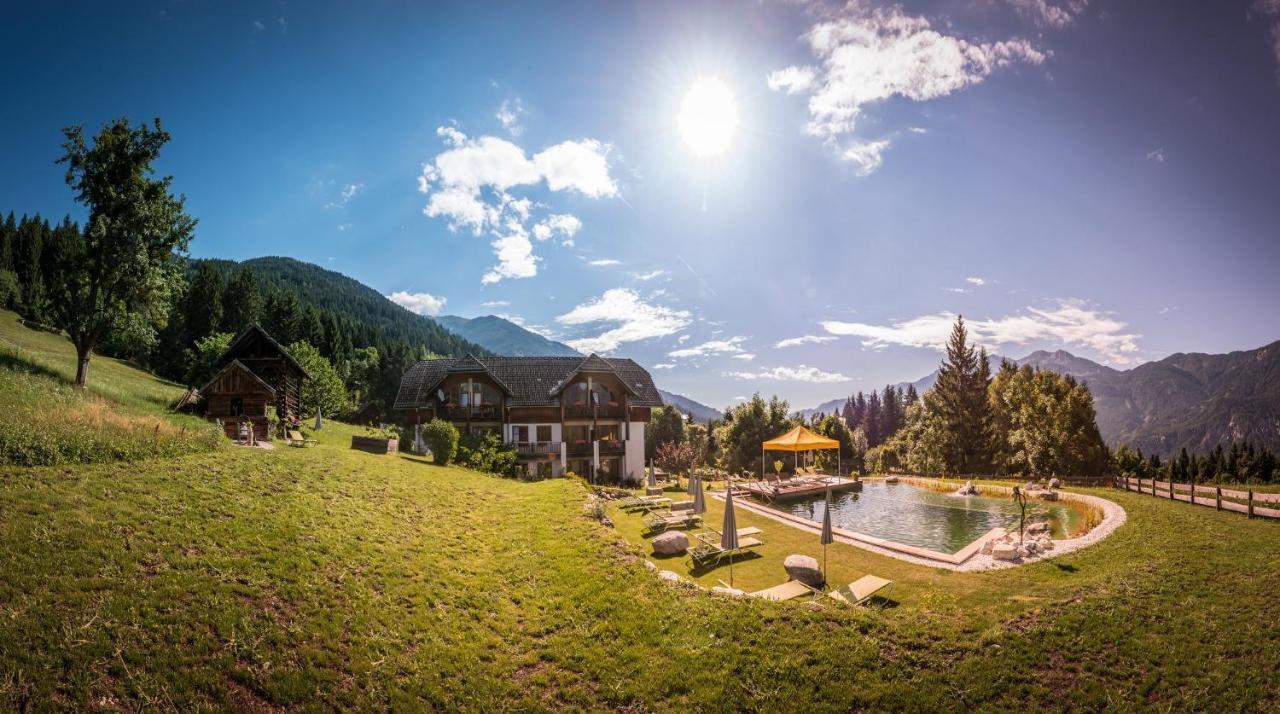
<point>927,519</point>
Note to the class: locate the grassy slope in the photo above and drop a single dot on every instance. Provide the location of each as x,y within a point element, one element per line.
<point>244,578</point>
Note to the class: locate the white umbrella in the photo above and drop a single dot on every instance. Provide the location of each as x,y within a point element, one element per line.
<point>699,500</point>
<point>729,532</point>
<point>653,478</point>
<point>319,420</point>
<point>827,536</point>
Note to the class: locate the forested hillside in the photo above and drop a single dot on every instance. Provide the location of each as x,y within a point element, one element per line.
<point>369,340</point>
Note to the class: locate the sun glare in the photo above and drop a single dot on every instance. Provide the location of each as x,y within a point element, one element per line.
<point>708,117</point>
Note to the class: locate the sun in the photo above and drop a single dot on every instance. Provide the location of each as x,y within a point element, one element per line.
<point>708,116</point>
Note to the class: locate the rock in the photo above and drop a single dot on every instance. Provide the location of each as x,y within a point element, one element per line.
<point>1028,487</point>
<point>1038,527</point>
<point>731,592</point>
<point>670,576</point>
<point>1030,547</point>
<point>891,479</point>
<point>803,568</point>
<point>670,543</point>
<point>1048,495</point>
<point>968,489</point>
<point>650,565</point>
<point>1004,551</point>
<point>653,491</point>
<point>1044,542</point>
<point>1055,483</point>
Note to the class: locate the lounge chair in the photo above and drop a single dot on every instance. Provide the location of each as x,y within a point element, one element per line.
<point>293,437</point>
<point>861,590</point>
<point>789,590</point>
<point>655,522</point>
<point>712,552</point>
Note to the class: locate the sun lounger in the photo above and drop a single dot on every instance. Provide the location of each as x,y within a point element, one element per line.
<point>861,590</point>
<point>789,590</point>
<point>663,521</point>
<point>711,552</point>
<point>293,437</point>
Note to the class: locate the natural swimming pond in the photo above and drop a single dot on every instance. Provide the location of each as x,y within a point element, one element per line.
<point>929,519</point>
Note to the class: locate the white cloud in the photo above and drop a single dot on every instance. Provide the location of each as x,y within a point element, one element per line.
<point>664,365</point>
<point>805,340</point>
<point>1068,322</point>
<point>800,373</point>
<point>868,155</point>
<point>733,345</point>
<point>1046,14</point>
<point>603,262</point>
<point>632,320</point>
<point>1157,155</point>
<point>972,280</point>
<point>917,130</point>
<point>644,277</point>
<point>515,256</point>
<point>1271,9</point>
<point>471,184</point>
<point>421,303</point>
<point>868,55</point>
<point>745,357</point>
<point>348,192</point>
<point>344,227</point>
<point>496,303</point>
<point>509,116</point>
<point>257,25</point>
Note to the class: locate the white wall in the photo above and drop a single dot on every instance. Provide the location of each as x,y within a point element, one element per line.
<point>633,468</point>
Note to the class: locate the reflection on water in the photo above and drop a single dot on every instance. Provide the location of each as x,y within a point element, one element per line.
<point>914,516</point>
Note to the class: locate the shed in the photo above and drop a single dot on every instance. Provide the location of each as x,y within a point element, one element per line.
<point>255,372</point>
<point>236,395</point>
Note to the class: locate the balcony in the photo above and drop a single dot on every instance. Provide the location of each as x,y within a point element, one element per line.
<point>612,446</point>
<point>536,448</point>
<point>481,412</point>
<point>602,411</point>
<point>579,448</point>
<point>607,446</point>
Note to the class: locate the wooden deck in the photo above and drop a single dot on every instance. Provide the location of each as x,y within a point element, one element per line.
<point>793,488</point>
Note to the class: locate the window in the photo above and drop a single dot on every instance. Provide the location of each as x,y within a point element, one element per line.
<point>520,434</point>
<point>237,406</point>
<point>544,432</point>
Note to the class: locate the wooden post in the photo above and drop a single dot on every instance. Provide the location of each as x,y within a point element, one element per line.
<point>1251,503</point>
<point>1171,498</point>
<point>1218,497</point>
<point>1193,492</point>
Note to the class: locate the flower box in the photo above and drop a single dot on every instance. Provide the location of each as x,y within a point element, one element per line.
<point>375,445</point>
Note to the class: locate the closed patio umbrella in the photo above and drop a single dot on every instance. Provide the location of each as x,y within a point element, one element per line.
<point>692,477</point>
<point>699,500</point>
<point>729,531</point>
<point>653,478</point>
<point>319,420</point>
<point>827,536</point>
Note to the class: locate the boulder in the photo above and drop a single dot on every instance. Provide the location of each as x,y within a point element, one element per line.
<point>803,568</point>
<point>670,543</point>
<point>1039,527</point>
<point>670,577</point>
<point>968,489</point>
<point>1004,551</point>
<point>1044,542</point>
<point>891,479</point>
<point>650,565</point>
<point>1048,495</point>
<point>1029,486</point>
<point>1055,482</point>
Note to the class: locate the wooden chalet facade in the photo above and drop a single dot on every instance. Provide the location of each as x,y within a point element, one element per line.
<point>254,373</point>
<point>585,415</point>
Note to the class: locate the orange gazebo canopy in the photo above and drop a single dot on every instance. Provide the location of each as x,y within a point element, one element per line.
<point>800,439</point>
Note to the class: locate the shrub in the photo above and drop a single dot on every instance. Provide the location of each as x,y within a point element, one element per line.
<point>486,452</point>
<point>442,438</point>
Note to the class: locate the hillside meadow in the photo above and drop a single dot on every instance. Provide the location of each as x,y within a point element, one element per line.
<point>327,578</point>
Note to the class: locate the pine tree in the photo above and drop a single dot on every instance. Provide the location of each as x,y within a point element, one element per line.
<point>202,306</point>
<point>871,420</point>
<point>961,398</point>
<point>241,302</point>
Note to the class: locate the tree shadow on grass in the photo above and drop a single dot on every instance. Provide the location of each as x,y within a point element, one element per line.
<point>1066,567</point>
<point>699,570</point>
<point>9,360</point>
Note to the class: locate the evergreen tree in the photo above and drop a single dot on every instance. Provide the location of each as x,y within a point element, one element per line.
<point>241,302</point>
<point>961,398</point>
<point>871,420</point>
<point>201,307</point>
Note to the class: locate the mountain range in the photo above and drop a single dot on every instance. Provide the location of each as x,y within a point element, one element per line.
<point>1194,401</point>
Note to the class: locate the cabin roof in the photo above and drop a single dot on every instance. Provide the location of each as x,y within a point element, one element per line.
<point>242,341</point>
<point>233,365</point>
<point>529,381</point>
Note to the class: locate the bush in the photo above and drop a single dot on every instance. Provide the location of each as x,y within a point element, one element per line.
<point>442,438</point>
<point>486,452</point>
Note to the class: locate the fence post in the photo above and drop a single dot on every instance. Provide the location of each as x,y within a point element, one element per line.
<point>1171,498</point>
<point>1251,503</point>
<point>1193,492</point>
<point>1218,497</point>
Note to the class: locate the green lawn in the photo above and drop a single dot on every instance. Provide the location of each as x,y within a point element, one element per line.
<point>245,578</point>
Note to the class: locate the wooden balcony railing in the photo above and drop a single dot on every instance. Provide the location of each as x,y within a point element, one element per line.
<point>602,411</point>
<point>481,412</point>
<point>537,448</point>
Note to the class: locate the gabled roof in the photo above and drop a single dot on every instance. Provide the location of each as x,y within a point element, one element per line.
<point>472,365</point>
<point>234,365</point>
<point>529,381</point>
<point>242,339</point>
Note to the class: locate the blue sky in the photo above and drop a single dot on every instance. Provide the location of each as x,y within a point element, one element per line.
<point>1097,176</point>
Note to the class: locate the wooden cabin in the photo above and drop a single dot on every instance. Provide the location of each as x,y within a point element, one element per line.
<point>253,374</point>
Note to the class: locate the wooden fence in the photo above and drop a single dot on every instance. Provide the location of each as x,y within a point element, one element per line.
<point>1223,499</point>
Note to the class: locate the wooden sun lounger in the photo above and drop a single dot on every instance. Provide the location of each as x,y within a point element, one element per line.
<point>861,590</point>
<point>789,590</point>
<point>293,437</point>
